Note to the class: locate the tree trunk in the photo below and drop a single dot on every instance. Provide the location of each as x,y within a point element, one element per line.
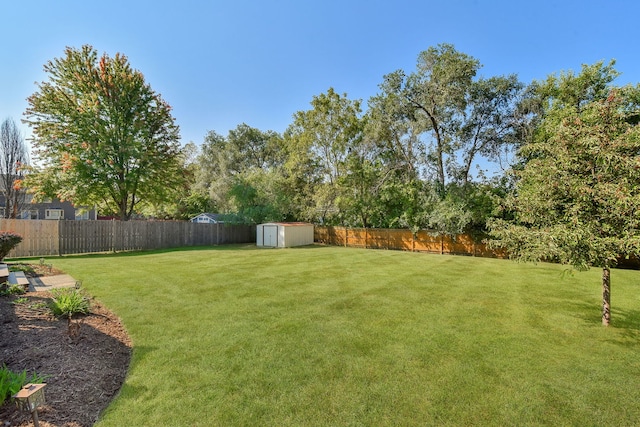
<point>606,296</point>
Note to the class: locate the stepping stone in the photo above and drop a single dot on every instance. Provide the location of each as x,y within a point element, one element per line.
<point>18,278</point>
<point>46,283</point>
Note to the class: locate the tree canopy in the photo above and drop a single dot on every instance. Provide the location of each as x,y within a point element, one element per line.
<point>577,197</point>
<point>240,173</point>
<point>406,161</point>
<point>102,136</point>
<point>318,143</point>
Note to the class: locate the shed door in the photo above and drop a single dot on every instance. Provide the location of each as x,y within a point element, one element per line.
<point>270,235</point>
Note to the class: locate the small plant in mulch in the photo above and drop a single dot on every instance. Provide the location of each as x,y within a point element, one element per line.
<point>67,302</point>
<point>34,270</point>
<point>7,289</point>
<point>28,269</point>
<point>39,306</point>
<point>21,300</point>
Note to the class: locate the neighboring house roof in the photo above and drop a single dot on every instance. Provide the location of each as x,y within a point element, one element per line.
<point>208,217</point>
<point>290,224</point>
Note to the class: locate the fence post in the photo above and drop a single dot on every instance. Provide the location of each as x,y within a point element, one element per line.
<point>112,240</point>
<point>60,250</point>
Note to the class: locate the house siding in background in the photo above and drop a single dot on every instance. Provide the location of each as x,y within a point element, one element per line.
<point>55,210</point>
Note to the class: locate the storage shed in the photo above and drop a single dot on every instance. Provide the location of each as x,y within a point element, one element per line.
<point>284,234</point>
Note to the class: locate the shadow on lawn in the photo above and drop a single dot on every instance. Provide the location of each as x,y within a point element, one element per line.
<point>140,352</point>
<point>620,319</point>
<point>133,253</point>
<point>626,319</point>
<point>225,247</point>
<point>624,327</point>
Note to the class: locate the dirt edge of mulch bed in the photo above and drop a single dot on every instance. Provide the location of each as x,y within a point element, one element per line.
<point>85,364</point>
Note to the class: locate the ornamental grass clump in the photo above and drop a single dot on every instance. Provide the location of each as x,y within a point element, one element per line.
<point>8,241</point>
<point>69,301</point>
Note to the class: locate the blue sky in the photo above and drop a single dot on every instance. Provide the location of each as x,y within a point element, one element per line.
<point>222,63</point>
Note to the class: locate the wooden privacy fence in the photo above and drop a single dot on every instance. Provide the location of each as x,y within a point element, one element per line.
<point>47,237</point>
<point>405,240</point>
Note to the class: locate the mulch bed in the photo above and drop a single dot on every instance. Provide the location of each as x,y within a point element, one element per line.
<point>85,363</point>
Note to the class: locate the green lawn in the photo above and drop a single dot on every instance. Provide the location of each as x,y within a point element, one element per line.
<point>326,336</point>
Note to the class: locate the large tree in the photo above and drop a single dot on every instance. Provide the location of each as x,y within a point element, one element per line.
<point>490,125</point>
<point>14,157</point>
<point>318,143</point>
<point>229,170</point>
<point>577,197</point>
<point>102,136</point>
<point>427,106</point>
<point>432,126</point>
<point>191,200</point>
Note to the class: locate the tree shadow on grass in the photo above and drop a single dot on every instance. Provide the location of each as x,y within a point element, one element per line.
<point>588,313</point>
<point>136,253</point>
<point>133,253</point>
<point>626,319</point>
<point>626,322</point>
<point>620,319</point>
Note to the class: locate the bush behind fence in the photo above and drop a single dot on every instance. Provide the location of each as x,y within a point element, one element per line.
<point>405,240</point>
<point>47,237</point>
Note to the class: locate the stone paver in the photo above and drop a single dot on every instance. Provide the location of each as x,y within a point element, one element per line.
<point>38,284</point>
<point>17,278</point>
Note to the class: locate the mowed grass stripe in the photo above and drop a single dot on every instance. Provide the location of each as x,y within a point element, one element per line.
<point>338,336</point>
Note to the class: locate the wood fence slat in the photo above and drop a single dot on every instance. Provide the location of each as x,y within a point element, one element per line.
<point>405,240</point>
<point>50,237</point>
